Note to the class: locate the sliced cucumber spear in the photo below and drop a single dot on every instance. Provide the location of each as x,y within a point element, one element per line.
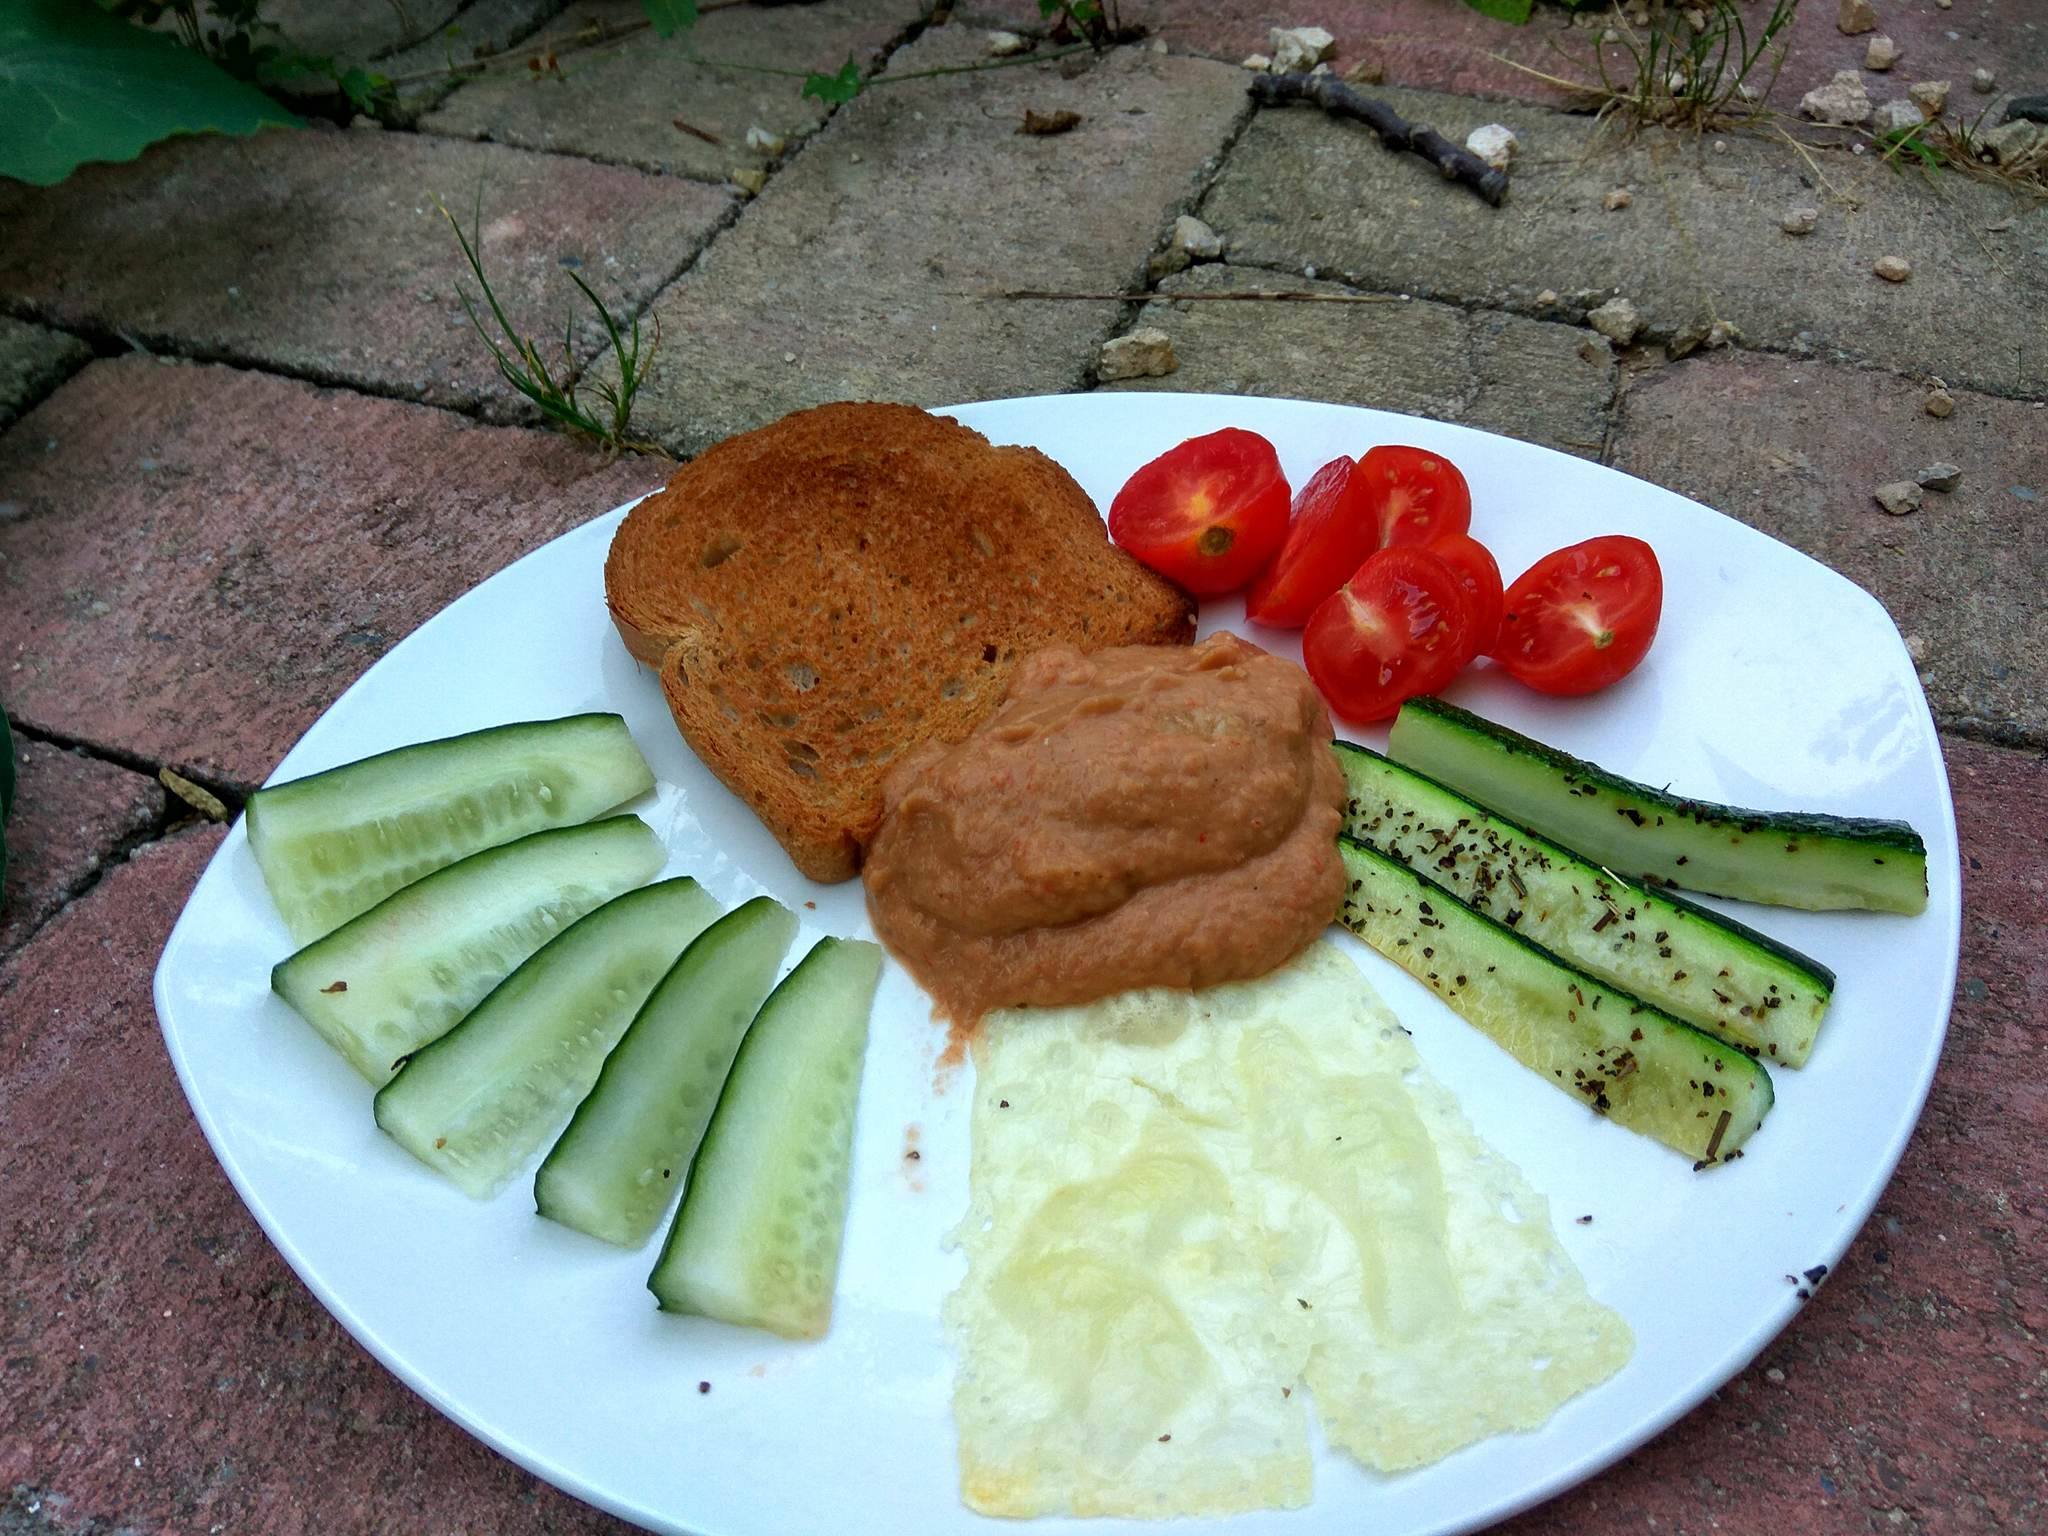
<point>1782,858</point>
<point>628,1149</point>
<point>336,843</point>
<point>1704,968</point>
<point>1622,1058</point>
<point>481,1099</point>
<point>398,977</point>
<point>757,1240</point>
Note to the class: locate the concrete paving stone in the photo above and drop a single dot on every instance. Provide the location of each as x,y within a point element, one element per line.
<point>321,253</point>
<point>1444,45</point>
<point>165,1372</point>
<point>1796,448</point>
<point>1701,241</point>
<point>357,31</point>
<point>423,73</point>
<point>1523,377</point>
<point>1911,1383</point>
<point>620,103</point>
<point>204,558</point>
<point>33,361</point>
<point>862,271</point>
<point>71,814</point>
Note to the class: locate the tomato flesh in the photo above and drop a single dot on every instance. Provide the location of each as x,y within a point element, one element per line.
<point>1582,617</point>
<point>1208,514</point>
<point>1480,576</point>
<point>1331,533</point>
<point>1396,629</point>
<point>1415,496</point>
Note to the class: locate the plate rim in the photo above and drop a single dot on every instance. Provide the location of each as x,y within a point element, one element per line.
<point>1767,1326</point>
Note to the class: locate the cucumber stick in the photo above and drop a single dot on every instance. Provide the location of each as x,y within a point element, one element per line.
<point>399,977</point>
<point>486,1095</point>
<point>334,844</point>
<point>1618,1055</point>
<point>1781,858</point>
<point>1706,969</point>
<point>628,1149</point>
<point>757,1239</point>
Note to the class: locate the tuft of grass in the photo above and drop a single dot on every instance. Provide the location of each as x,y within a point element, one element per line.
<point>1681,76</point>
<point>1958,146</point>
<point>526,369</point>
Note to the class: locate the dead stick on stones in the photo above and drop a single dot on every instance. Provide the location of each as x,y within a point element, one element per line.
<point>1340,100</point>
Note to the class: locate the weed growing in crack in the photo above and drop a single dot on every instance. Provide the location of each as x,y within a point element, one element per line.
<point>1685,69</point>
<point>523,366</point>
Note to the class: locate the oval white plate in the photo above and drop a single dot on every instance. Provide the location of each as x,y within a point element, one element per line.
<point>1774,682</point>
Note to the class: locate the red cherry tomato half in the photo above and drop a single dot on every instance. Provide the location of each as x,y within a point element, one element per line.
<point>1480,577</point>
<point>1208,514</point>
<point>1331,534</point>
<point>1397,628</point>
<point>1582,617</point>
<point>1415,496</point>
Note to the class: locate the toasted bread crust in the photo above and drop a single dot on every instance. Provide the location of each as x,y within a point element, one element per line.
<point>824,593</point>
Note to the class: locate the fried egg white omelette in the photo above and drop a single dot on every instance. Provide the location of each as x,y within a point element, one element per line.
<point>1186,1206</point>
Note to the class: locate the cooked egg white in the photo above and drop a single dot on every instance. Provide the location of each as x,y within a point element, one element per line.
<point>1186,1206</point>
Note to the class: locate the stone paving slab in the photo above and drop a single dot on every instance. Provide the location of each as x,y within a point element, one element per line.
<point>251,1409</point>
<point>620,103</point>
<point>1700,241</point>
<point>1795,448</point>
<point>205,558</point>
<point>858,273</point>
<point>165,1372</point>
<point>321,253</point>
<point>357,31</point>
<point>71,814</point>
<point>1444,45</point>
<point>420,74</point>
<point>34,361</point>
<point>1548,384</point>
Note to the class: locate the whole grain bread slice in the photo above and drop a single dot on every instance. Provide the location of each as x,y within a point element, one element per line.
<point>823,594</point>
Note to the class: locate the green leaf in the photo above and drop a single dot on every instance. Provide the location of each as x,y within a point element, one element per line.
<point>1516,11</point>
<point>77,84</point>
<point>670,16</point>
<point>842,87</point>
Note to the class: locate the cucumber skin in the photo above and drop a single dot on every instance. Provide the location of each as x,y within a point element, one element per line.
<point>276,817</point>
<point>1745,1092</point>
<point>1761,1016</point>
<point>678,903</point>
<point>779,1295</point>
<point>285,976</point>
<point>585,1140</point>
<point>1856,839</point>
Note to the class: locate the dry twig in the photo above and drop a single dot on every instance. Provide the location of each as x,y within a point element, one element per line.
<point>1339,100</point>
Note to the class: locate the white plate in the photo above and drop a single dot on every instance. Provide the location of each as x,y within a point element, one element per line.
<point>1774,682</point>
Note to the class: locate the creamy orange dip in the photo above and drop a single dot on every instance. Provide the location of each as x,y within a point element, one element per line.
<point>1140,816</point>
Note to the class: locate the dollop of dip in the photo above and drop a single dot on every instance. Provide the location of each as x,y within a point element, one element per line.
<point>1134,817</point>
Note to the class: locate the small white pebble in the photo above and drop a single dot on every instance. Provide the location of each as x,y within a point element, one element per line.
<point>1893,269</point>
<point>1775,1376</point>
<point>1617,200</point>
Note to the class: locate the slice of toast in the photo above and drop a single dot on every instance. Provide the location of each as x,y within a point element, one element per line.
<point>827,592</point>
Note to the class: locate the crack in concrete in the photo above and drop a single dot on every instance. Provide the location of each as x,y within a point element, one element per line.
<point>1141,283</point>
